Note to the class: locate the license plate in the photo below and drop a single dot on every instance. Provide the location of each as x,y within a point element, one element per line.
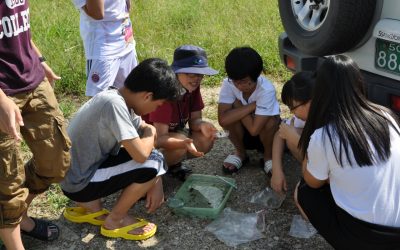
<point>387,56</point>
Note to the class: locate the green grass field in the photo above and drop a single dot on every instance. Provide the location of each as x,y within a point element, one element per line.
<point>160,26</point>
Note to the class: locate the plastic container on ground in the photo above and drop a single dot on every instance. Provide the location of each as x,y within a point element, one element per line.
<point>202,196</point>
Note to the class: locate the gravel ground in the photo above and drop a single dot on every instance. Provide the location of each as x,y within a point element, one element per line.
<point>175,232</point>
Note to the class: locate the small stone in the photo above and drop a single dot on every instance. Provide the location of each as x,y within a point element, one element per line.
<point>276,238</point>
<point>88,238</point>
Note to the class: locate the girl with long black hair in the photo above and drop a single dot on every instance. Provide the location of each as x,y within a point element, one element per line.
<point>351,186</point>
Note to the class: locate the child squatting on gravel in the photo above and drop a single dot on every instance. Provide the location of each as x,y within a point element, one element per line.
<point>113,149</point>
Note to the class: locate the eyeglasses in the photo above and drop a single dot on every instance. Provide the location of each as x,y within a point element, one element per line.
<point>292,109</point>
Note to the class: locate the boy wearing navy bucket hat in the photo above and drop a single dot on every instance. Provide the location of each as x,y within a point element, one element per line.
<point>177,140</point>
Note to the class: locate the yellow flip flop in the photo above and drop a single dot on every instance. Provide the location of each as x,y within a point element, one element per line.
<point>79,215</point>
<point>123,231</point>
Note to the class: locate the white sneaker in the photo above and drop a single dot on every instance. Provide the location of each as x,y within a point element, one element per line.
<point>268,166</point>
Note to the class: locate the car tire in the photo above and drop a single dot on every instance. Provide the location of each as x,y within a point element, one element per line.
<point>323,27</point>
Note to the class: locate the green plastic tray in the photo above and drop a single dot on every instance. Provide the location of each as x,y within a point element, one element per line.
<point>202,196</point>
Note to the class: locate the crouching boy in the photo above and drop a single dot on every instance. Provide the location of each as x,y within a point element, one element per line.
<point>113,149</point>
<point>247,108</point>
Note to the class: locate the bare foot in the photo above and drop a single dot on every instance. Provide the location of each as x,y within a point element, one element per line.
<point>128,220</point>
<point>92,207</point>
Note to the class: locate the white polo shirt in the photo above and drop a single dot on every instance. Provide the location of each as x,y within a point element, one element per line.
<point>264,96</point>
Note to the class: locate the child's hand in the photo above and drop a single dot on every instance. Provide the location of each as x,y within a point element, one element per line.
<point>285,131</point>
<point>278,181</point>
<point>191,148</point>
<point>155,196</point>
<point>11,118</point>
<point>149,130</point>
<point>208,130</point>
<point>237,104</point>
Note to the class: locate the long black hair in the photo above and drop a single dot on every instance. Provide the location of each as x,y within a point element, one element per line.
<point>340,107</point>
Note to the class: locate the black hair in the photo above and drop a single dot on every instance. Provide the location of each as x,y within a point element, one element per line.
<point>156,76</point>
<point>348,119</point>
<point>242,62</point>
<point>299,88</point>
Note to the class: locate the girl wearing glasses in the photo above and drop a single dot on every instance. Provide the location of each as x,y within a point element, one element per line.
<point>296,94</point>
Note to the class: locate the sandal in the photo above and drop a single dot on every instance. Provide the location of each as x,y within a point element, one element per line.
<point>123,232</point>
<point>42,229</point>
<point>266,166</point>
<point>179,171</point>
<point>236,162</point>
<point>79,215</point>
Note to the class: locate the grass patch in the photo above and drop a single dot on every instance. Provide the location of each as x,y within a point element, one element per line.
<point>50,203</point>
<point>161,26</point>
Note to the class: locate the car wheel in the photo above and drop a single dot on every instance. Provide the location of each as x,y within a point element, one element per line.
<point>323,27</point>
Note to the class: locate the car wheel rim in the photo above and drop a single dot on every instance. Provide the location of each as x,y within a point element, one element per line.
<point>310,14</point>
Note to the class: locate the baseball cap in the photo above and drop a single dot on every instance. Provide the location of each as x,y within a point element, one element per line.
<point>191,59</point>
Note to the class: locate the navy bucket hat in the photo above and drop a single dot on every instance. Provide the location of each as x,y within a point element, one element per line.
<point>191,59</point>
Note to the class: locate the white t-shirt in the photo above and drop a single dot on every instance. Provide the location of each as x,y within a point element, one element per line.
<point>264,95</point>
<point>369,193</point>
<point>109,38</point>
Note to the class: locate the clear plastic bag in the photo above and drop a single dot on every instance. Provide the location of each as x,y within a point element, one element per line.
<point>301,228</point>
<point>268,198</point>
<point>234,228</point>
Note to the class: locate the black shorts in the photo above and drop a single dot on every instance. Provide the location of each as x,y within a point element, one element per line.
<point>116,173</point>
<point>252,142</point>
<point>338,227</point>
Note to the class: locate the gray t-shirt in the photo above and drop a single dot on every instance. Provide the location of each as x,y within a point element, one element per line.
<point>96,131</point>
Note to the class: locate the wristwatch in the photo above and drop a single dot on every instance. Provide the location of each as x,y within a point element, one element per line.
<point>42,59</point>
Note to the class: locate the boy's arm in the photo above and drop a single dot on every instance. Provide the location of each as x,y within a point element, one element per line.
<point>255,123</point>
<point>94,9</point>
<point>51,76</point>
<point>140,148</point>
<point>164,140</point>
<point>228,114</point>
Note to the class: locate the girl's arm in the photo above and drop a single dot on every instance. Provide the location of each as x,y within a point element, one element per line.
<point>310,179</point>
<point>278,181</point>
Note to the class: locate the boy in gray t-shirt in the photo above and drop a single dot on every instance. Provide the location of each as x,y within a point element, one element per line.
<point>113,149</point>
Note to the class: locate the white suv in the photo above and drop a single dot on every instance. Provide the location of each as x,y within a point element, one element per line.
<point>366,30</point>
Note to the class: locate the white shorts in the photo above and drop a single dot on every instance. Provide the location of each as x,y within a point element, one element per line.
<point>103,73</point>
